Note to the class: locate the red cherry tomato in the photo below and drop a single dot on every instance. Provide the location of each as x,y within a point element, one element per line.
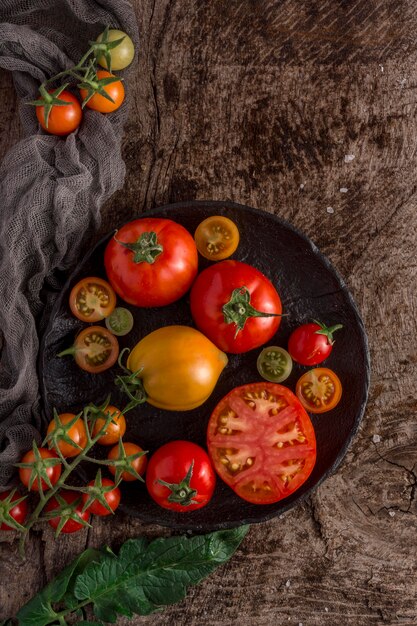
<point>235,306</point>
<point>112,498</point>
<point>63,119</point>
<point>52,471</point>
<point>92,299</point>
<point>71,525</point>
<point>180,476</point>
<point>137,465</point>
<point>310,344</point>
<point>18,512</point>
<point>261,442</point>
<point>151,262</point>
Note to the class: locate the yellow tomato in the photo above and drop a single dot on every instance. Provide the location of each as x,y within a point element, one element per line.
<point>180,367</point>
<point>216,238</point>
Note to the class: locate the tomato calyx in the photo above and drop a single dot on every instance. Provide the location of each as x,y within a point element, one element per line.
<point>66,511</point>
<point>61,433</point>
<point>97,492</point>
<point>181,493</point>
<point>130,384</point>
<point>239,309</point>
<point>39,468</point>
<point>6,507</point>
<point>124,463</point>
<point>94,85</point>
<point>327,331</point>
<point>146,249</point>
<point>50,99</point>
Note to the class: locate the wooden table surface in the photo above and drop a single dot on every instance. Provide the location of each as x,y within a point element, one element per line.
<point>305,108</point>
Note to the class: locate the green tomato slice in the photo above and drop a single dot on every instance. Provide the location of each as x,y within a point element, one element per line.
<point>274,364</point>
<point>120,322</point>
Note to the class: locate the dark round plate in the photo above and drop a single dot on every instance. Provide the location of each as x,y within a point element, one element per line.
<point>310,289</point>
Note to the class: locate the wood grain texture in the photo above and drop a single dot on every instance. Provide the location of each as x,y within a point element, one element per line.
<point>259,101</point>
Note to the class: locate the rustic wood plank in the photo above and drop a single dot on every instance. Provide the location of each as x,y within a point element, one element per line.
<point>260,103</point>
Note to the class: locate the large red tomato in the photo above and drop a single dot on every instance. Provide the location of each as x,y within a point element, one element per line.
<point>151,262</point>
<point>261,442</point>
<point>235,306</point>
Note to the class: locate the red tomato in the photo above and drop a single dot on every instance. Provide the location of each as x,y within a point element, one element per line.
<point>92,299</point>
<point>95,349</point>
<point>62,119</point>
<point>151,262</point>
<point>70,514</point>
<point>18,512</point>
<point>115,90</point>
<point>132,466</point>
<point>310,344</point>
<point>180,476</point>
<point>228,301</point>
<point>53,471</point>
<point>261,442</point>
<point>319,390</point>
<point>112,498</point>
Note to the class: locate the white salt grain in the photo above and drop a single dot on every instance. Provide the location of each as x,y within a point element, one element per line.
<point>326,609</point>
<point>288,583</point>
<point>391,513</point>
<point>330,209</point>
<point>349,158</point>
<point>376,438</point>
<point>302,185</point>
<point>343,190</point>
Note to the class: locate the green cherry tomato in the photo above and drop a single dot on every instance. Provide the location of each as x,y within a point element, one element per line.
<point>120,322</point>
<point>122,55</point>
<point>274,364</point>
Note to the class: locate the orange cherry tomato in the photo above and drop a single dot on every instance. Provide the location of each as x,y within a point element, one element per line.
<point>114,431</point>
<point>92,299</point>
<point>139,464</point>
<point>63,119</point>
<point>115,90</point>
<point>319,390</point>
<point>76,433</point>
<point>216,238</point>
<point>95,349</point>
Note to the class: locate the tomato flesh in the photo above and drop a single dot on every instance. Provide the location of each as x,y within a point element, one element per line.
<point>217,238</point>
<point>92,299</point>
<point>95,349</point>
<point>319,390</point>
<point>262,442</point>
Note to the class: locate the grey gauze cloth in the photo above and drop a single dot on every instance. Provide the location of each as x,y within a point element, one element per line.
<point>51,191</point>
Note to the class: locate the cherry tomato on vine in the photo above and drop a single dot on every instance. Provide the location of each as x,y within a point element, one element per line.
<point>137,464</point>
<point>95,349</point>
<point>217,238</point>
<point>112,498</point>
<point>262,442</point>
<point>310,344</point>
<point>319,390</point>
<point>75,433</point>
<point>274,364</point>
<point>122,55</point>
<point>100,103</point>
<point>42,463</point>
<point>235,306</point>
<point>180,476</point>
<point>18,512</point>
<point>70,517</point>
<point>92,299</point>
<point>151,262</point>
<point>115,429</point>
<point>63,119</point>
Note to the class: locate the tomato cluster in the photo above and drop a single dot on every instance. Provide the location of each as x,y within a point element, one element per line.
<point>59,111</point>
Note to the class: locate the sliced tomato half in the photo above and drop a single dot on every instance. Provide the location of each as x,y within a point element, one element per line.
<point>261,442</point>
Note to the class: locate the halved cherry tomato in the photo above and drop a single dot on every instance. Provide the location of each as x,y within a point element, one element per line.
<point>53,470</point>
<point>62,435</point>
<point>100,103</point>
<point>95,349</point>
<point>18,512</point>
<point>137,464</point>
<point>120,322</point>
<point>235,306</point>
<point>151,262</point>
<point>63,119</point>
<point>311,344</point>
<point>274,364</point>
<point>69,515</point>
<point>217,238</point>
<point>92,299</point>
<point>261,442</point>
<point>112,498</point>
<point>114,431</point>
<point>180,476</point>
<point>319,390</point>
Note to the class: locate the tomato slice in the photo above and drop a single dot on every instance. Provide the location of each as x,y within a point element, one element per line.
<point>319,390</point>
<point>216,238</point>
<point>120,322</point>
<point>261,442</point>
<point>274,364</point>
<point>92,299</point>
<point>95,349</point>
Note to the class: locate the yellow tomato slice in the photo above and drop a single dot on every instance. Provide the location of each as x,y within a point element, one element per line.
<point>216,238</point>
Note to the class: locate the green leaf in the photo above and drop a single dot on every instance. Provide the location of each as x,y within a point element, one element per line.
<point>143,578</point>
<point>39,610</point>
